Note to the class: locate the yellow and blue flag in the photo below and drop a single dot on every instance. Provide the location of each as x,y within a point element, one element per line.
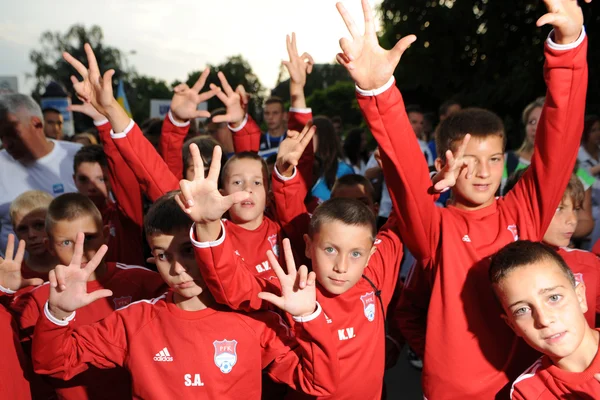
<point>122,99</point>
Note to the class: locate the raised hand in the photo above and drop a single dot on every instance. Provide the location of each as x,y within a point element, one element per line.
<point>68,283</point>
<point>299,65</point>
<point>234,101</point>
<point>200,198</point>
<point>292,148</point>
<point>298,289</point>
<point>455,164</point>
<point>94,88</point>
<point>87,109</point>
<point>368,63</point>
<point>184,105</point>
<point>10,267</point>
<point>566,17</point>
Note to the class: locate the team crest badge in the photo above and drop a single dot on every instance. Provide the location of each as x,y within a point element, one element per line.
<point>515,232</point>
<point>368,300</point>
<point>225,354</point>
<point>121,302</point>
<point>274,246</point>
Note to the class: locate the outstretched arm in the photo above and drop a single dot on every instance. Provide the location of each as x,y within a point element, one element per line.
<point>405,169</point>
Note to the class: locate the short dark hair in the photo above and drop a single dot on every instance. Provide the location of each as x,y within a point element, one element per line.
<point>70,206</point>
<point>165,217</point>
<point>247,155</point>
<point>206,144</point>
<point>50,109</point>
<point>336,120</point>
<point>574,188</point>
<point>346,211</point>
<point>275,100</point>
<point>414,108</point>
<point>445,106</point>
<point>93,153</point>
<point>522,253</point>
<point>478,122</point>
<point>589,122</point>
<point>355,180</point>
<point>215,113</point>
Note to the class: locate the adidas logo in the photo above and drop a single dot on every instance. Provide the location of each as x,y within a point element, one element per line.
<point>163,355</point>
<point>466,239</point>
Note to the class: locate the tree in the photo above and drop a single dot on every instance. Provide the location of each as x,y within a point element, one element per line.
<point>489,53</point>
<point>50,66</point>
<point>140,90</point>
<point>238,72</point>
<point>337,100</point>
<point>322,77</point>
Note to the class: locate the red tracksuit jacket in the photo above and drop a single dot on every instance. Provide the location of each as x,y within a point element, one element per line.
<point>125,218</point>
<point>128,284</point>
<point>470,353</point>
<point>354,317</point>
<point>177,354</point>
<point>14,365</point>
<point>545,381</point>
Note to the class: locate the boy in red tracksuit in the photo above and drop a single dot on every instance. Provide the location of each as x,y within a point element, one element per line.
<point>68,215</point>
<point>356,274</point>
<point>99,171</point>
<point>545,305</point>
<point>28,215</point>
<point>469,352</point>
<point>182,345</point>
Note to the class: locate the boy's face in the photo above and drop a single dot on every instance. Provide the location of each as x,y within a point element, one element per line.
<point>357,192</point>
<point>563,224</point>
<point>30,226</point>
<point>175,261</point>
<point>63,234</point>
<point>339,254</point>
<point>189,170</point>
<point>246,175</point>
<point>417,121</point>
<point>92,181</point>
<point>480,189</point>
<point>532,123</point>
<point>544,308</point>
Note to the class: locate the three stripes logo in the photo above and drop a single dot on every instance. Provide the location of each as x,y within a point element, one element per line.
<point>163,356</point>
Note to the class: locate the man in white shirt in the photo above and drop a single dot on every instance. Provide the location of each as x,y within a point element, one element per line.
<point>29,160</point>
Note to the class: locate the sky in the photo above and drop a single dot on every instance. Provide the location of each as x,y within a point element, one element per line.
<point>172,38</point>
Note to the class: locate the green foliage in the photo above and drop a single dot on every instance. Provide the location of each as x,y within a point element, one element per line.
<point>322,77</point>
<point>238,72</point>
<point>337,100</point>
<point>487,53</point>
<point>140,90</point>
<point>50,66</point>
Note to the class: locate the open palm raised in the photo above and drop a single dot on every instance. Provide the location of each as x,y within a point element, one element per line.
<point>370,65</point>
<point>68,283</point>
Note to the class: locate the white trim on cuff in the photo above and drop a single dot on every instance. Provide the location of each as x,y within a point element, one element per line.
<point>123,134</point>
<point>7,290</point>
<point>284,178</point>
<point>206,245</point>
<point>242,125</point>
<point>376,92</point>
<point>555,46</point>
<point>55,320</point>
<point>101,122</point>
<point>301,110</point>
<point>178,124</point>
<point>310,317</point>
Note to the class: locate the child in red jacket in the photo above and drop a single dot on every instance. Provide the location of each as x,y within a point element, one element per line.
<point>543,303</point>
<point>182,344</point>
<point>469,351</point>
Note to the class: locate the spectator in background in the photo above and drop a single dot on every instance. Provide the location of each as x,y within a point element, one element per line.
<point>276,120</point>
<point>53,124</point>
<point>355,149</point>
<point>85,139</point>
<point>338,125</point>
<point>328,158</point>
<point>417,121</point>
<point>447,108</point>
<point>589,159</point>
<point>30,161</point>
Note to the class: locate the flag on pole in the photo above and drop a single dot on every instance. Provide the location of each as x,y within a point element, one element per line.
<point>122,99</point>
